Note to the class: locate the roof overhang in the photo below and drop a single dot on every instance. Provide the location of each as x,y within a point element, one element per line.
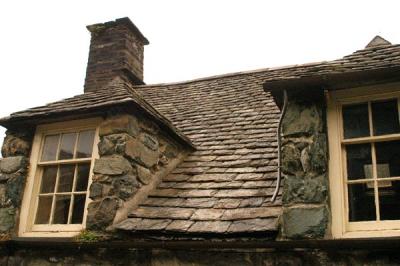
<point>332,81</point>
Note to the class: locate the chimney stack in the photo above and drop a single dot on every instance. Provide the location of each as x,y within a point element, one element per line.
<point>116,47</point>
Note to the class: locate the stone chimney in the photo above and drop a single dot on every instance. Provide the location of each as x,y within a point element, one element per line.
<point>116,48</point>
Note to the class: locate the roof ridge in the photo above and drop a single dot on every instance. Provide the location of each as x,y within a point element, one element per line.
<point>231,74</point>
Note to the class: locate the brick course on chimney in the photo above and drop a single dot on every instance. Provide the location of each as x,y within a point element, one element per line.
<point>116,48</point>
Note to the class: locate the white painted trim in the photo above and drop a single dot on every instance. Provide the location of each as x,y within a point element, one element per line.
<point>341,228</point>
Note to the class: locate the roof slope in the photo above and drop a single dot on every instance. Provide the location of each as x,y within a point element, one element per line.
<point>226,185</point>
<point>118,91</point>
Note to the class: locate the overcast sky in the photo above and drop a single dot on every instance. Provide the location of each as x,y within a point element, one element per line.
<point>44,44</point>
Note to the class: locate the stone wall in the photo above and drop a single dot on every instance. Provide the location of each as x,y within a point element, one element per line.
<point>13,171</point>
<point>132,153</point>
<point>304,165</point>
<point>193,257</point>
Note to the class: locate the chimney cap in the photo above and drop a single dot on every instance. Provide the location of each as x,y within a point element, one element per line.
<point>98,27</point>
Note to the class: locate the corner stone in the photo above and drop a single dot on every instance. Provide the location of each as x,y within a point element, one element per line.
<point>116,165</point>
<point>12,164</point>
<point>302,223</point>
<point>6,219</point>
<point>119,124</point>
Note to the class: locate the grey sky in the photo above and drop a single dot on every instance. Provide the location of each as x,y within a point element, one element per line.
<point>44,44</point>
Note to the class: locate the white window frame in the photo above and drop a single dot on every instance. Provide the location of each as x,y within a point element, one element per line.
<point>341,227</point>
<point>29,203</point>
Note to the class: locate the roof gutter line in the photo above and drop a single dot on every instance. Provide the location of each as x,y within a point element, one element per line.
<point>391,243</point>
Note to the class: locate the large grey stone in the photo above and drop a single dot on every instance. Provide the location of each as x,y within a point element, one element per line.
<point>143,150</point>
<point>96,190</point>
<point>114,165</point>
<point>306,189</point>
<point>101,213</point>
<point>15,187</point>
<point>106,146</point>
<point>318,154</point>
<point>291,163</point>
<point>125,186</point>
<point>144,174</point>
<point>14,146</point>
<point>12,164</point>
<point>300,223</point>
<point>302,118</point>
<point>6,219</point>
<point>119,124</point>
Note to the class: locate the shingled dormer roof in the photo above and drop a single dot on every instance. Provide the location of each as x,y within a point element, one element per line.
<point>117,92</point>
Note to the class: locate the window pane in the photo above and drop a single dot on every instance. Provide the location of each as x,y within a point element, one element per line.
<point>388,158</point>
<point>50,148</point>
<point>67,146</point>
<point>385,117</point>
<point>43,211</point>
<point>48,179</point>
<point>79,207</point>
<point>66,178</point>
<point>389,199</point>
<point>359,162</point>
<point>85,144</point>
<point>361,202</point>
<point>355,121</point>
<point>83,177</point>
<point>61,209</point>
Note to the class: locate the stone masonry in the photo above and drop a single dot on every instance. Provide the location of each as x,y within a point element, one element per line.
<point>131,152</point>
<point>13,170</point>
<point>304,165</point>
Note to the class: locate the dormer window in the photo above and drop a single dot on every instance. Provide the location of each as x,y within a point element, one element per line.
<point>364,135</point>
<point>56,196</point>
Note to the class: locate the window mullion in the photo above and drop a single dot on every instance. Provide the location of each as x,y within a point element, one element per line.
<point>375,177</point>
<point>72,194</point>
<point>54,196</point>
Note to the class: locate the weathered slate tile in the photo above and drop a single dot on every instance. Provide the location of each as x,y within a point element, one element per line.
<point>251,213</point>
<point>168,202</point>
<point>183,193</point>
<point>254,225</point>
<point>179,225</point>
<point>227,203</point>
<point>209,227</point>
<point>242,193</point>
<point>133,224</point>
<point>162,212</point>
<point>199,202</point>
<point>251,202</point>
<point>207,214</point>
<point>225,185</point>
<point>176,177</point>
<point>128,224</point>
<point>250,176</point>
<point>212,177</point>
<point>241,170</point>
<point>197,158</point>
<point>258,184</point>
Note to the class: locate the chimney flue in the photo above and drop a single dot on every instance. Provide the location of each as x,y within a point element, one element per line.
<point>116,48</point>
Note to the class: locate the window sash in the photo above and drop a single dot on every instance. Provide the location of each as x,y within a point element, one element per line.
<point>341,227</point>
<point>29,203</point>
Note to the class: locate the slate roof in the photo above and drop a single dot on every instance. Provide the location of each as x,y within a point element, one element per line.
<point>118,91</point>
<point>226,185</point>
